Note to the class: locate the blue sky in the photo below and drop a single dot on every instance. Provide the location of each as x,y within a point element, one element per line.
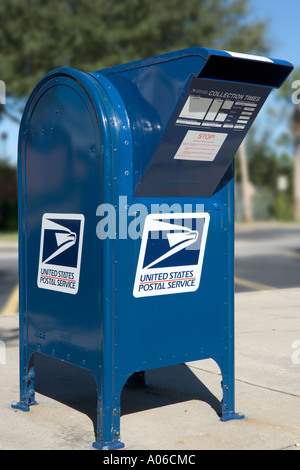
<point>283,16</point>
<point>283,22</point>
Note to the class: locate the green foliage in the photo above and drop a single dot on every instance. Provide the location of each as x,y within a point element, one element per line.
<point>8,197</point>
<point>37,36</point>
<point>265,166</point>
<point>284,207</point>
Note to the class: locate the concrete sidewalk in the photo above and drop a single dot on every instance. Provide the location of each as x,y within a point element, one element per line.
<point>179,409</point>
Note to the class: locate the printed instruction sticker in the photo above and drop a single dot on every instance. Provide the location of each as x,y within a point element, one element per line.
<point>171,254</point>
<point>200,146</point>
<point>60,252</point>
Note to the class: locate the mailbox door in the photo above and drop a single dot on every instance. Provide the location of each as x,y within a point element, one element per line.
<point>60,189</point>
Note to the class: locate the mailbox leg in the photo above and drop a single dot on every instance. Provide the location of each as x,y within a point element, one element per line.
<point>228,386</point>
<point>27,393</point>
<point>108,415</point>
<point>228,407</point>
<point>227,362</point>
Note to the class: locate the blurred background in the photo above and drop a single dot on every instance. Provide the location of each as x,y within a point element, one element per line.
<point>37,36</point>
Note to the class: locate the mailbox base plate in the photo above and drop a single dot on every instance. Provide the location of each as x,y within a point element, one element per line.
<point>20,406</point>
<point>23,406</point>
<point>111,445</point>
<point>232,415</point>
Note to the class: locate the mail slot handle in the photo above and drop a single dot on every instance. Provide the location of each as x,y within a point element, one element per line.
<point>235,69</point>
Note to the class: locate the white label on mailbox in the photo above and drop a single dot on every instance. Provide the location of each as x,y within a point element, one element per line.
<point>200,146</point>
<point>171,254</point>
<point>60,252</point>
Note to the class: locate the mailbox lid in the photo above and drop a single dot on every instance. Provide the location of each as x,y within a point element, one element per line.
<point>264,70</point>
<point>156,91</point>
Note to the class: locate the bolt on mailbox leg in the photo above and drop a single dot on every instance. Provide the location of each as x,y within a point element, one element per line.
<point>27,393</point>
<point>228,410</point>
<point>108,417</point>
<point>228,387</point>
<point>108,430</point>
<point>228,383</point>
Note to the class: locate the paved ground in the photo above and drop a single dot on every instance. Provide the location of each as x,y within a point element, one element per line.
<point>179,409</point>
<point>8,275</point>
<point>267,256</point>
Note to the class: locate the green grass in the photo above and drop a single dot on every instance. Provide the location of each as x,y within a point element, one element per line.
<point>8,236</point>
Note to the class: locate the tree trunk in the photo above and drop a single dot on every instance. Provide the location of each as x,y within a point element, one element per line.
<point>246,186</point>
<point>297,182</point>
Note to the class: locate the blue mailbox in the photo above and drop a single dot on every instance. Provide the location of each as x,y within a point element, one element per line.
<point>126,228</point>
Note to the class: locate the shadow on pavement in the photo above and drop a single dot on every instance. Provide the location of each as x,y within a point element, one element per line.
<point>76,387</point>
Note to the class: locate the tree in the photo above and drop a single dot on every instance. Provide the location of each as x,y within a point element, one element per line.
<point>37,36</point>
<point>293,99</point>
<point>8,197</point>
<point>268,166</point>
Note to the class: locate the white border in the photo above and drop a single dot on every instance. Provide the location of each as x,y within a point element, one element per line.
<point>197,269</point>
<point>76,270</point>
